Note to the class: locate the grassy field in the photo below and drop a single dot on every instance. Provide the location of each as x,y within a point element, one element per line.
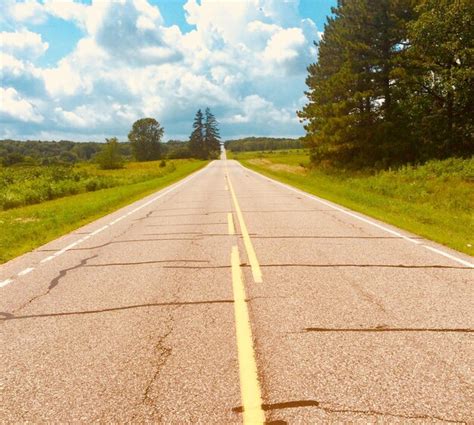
<point>435,200</point>
<point>27,227</point>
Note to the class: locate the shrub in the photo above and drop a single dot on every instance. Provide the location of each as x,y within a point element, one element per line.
<point>110,158</point>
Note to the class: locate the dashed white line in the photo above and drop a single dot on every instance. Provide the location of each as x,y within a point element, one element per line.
<point>5,282</point>
<point>358,217</point>
<point>45,260</point>
<point>95,232</point>
<point>26,271</point>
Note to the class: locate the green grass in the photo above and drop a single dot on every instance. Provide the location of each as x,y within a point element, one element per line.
<point>27,185</point>
<point>434,200</point>
<point>25,228</point>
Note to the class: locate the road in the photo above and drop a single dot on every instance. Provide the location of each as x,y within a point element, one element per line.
<point>229,297</point>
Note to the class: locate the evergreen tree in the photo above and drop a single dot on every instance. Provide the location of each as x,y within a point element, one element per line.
<point>354,113</point>
<point>196,141</point>
<point>145,138</point>
<point>211,135</point>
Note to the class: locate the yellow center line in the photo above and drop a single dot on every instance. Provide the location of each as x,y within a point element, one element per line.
<point>249,385</point>
<point>230,224</point>
<point>255,266</point>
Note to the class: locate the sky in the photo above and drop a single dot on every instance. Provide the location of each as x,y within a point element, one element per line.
<point>86,70</point>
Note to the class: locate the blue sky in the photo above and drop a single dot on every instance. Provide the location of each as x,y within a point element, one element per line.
<point>86,70</point>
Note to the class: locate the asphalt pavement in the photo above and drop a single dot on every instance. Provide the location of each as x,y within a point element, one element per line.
<point>229,298</point>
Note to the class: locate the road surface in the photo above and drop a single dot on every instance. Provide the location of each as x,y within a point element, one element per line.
<point>230,298</point>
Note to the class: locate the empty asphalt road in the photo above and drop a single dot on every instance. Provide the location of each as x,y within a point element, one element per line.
<point>229,297</point>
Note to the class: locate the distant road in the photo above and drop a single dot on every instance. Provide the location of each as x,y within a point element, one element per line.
<point>228,297</point>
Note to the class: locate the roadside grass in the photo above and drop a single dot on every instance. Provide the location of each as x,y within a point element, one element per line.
<point>434,200</point>
<point>26,228</point>
<point>27,185</point>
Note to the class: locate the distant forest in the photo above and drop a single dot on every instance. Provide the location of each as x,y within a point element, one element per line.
<point>262,144</point>
<point>37,152</point>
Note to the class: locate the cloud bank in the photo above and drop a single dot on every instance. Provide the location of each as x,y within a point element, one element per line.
<point>245,60</point>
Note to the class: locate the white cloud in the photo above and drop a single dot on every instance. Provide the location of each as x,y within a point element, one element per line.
<point>67,10</point>
<point>246,60</point>
<point>28,11</point>
<point>22,43</point>
<point>13,106</point>
<point>64,80</point>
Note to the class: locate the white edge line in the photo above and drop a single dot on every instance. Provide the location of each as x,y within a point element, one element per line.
<point>329,204</point>
<point>95,232</point>
<point>452,257</point>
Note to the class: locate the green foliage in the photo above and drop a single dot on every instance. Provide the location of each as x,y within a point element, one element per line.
<point>25,228</point>
<point>441,77</point>
<point>176,149</point>
<point>212,142</point>
<point>145,138</point>
<point>432,200</point>
<point>21,186</point>
<point>262,144</point>
<point>162,163</point>
<point>109,158</point>
<point>35,152</point>
<point>393,83</point>
<point>204,142</point>
<point>196,140</point>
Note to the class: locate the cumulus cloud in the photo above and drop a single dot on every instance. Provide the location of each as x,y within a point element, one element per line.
<point>23,43</point>
<point>30,11</point>
<point>14,107</point>
<point>246,60</point>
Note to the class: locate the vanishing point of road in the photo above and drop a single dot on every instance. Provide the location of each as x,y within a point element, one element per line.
<point>229,298</point>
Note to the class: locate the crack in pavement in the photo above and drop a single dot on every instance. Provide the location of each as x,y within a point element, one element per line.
<point>9,316</point>
<point>88,248</point>
<point>326,407</point>
<point>369,412</point>
<point>139,263</point>
<point>163,353</point>
<point>387,329</point>
<point>55,282</point>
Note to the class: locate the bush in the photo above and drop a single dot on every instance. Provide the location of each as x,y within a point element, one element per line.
<point>110,158</point>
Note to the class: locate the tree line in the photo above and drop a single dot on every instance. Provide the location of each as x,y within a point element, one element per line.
<point>262,144</point>
<point>144,144</point>
<point>393,83</point>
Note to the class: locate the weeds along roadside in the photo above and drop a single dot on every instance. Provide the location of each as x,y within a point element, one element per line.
<point>27,227</point>
<point>434,200</point>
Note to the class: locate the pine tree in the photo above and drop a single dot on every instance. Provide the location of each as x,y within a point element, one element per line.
<point>354,115</point>
<point>211,135</point>
<point>196,141</point>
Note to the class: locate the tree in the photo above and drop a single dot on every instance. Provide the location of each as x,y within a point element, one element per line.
<point>212,142</point>
<point>196,140</point>
<point>442,86</point>
<point>145,138</point>
<point>109,158</point>
<point>354,115</point>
